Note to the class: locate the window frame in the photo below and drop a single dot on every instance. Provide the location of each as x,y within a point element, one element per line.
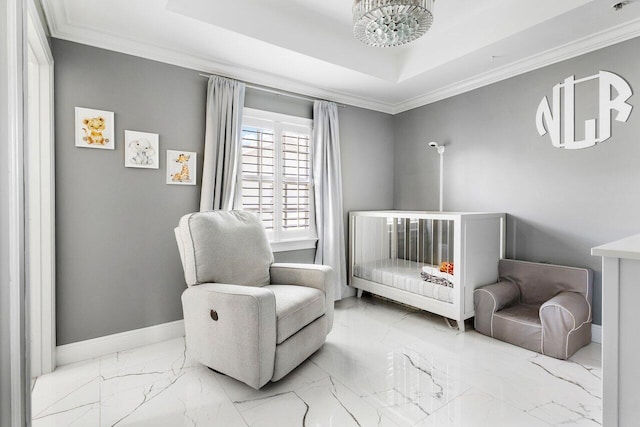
<point>280,239</point>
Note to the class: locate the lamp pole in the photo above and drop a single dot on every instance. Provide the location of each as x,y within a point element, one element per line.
<point>440,149</point>
<point>441,153</point>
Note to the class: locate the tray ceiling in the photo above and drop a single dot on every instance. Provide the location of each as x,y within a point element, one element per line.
<point>308,47</point>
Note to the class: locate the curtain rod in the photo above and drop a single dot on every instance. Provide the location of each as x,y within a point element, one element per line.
<point>276,92</point>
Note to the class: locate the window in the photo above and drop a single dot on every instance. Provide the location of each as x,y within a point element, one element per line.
<point>276,175</point>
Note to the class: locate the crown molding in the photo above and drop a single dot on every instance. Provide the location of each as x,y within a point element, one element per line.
<point>61,28</point>
<point>570,50</point>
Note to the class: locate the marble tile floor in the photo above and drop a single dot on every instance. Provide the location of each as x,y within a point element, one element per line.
<point>383,365</point>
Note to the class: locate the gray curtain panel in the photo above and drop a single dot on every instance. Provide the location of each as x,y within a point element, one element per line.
<point>327,179</point>
<point>221,174</point>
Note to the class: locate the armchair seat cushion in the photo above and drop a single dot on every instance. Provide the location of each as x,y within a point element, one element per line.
<point>520,325</point>
<point>523,313</point>
<point>296,307</point>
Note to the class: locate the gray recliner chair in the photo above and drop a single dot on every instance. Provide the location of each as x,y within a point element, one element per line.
<point>245,316</point>
<point>541,307</point>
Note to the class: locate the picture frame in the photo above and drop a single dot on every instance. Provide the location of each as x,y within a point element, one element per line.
<point>141,149</point>
<point>94,128</point>
<point>181,167</point>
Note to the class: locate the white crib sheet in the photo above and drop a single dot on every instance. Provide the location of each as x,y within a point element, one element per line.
<point>402,274</point>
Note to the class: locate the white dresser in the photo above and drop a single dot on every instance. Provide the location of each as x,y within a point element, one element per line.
<point>620,331</point>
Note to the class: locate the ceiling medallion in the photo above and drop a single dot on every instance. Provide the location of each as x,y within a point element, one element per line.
<point>388,23</point>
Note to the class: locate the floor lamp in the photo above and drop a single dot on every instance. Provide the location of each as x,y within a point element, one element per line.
<point>440,149</point>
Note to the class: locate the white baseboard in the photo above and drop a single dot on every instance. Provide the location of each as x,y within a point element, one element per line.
<point>84,350</point>
<point>596,333</point>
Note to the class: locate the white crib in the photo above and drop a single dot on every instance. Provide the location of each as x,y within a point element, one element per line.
<point>388,250</point>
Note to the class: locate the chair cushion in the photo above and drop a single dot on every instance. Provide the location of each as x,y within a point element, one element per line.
<point>296,307</point>
<point>224,247</point>
<point>520,325</point>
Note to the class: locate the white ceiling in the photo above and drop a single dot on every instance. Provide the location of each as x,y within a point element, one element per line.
<point>307,46</point>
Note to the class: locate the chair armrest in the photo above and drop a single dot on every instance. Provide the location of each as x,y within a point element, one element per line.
<point>241,342</point>
<point>571,303</point>
<point>491,298</point>
<point>311,275</point>
<point>561,316</point>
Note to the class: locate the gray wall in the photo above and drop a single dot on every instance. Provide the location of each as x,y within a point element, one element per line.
<point>117,262</point>
<point>560,203</point>
<point>366,152</point>
<point>267,101</point>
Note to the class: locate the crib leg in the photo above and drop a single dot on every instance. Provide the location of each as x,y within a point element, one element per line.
<point>459,324</point>
<point>359,293</point>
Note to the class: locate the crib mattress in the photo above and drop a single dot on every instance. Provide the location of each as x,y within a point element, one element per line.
<point>402,274</point>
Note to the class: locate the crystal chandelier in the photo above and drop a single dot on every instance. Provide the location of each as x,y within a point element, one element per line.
<point>387,23</point>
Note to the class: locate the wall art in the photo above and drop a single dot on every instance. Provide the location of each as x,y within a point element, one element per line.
<point>559,120</point>
<point>141,149</point>
<point>181,167</point>
<point>94,128</point>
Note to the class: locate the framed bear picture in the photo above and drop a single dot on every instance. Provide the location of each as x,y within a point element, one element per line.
<point>181,167</point>
<point>141,149</point>
<point>94,128</point>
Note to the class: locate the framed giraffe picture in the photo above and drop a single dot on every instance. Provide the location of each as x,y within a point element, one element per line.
<point>181,167</point>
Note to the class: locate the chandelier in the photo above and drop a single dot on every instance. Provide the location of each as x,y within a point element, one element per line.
<point>387,23</point>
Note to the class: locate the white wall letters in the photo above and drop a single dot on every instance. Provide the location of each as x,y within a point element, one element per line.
<point>553,120</point>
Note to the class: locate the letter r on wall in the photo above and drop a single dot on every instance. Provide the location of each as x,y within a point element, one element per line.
<point>608,81</point>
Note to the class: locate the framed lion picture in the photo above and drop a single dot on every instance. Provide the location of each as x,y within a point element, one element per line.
<point>94,129</point>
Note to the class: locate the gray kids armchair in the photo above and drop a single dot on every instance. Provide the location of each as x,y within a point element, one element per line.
<point>245,316</point>
<point>542,307</point>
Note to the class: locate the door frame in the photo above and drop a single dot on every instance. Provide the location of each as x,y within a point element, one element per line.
<point>40,209</point>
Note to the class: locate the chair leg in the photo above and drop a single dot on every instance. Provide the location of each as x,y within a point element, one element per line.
<point>359,293</point>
